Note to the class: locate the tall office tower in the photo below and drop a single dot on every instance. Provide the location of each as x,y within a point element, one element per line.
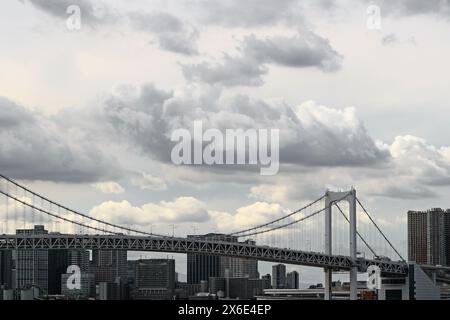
<point>279,276</point>
<point>108,265</point>
<point>202,267</point>
<point>32,265</point>
<point>429,236</point>
<point>292,280</point>
<point>6,266</point>
<point>155,279</point>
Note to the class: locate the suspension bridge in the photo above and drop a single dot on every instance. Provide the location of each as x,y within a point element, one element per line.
<point>335,232</point>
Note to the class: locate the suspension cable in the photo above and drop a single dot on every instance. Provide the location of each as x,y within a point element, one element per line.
<point>359,235</point>
<point>75,212</point>
<point>284,225</point>
<point>279,219</point>
<point>49,213</point>
<point>295,221</point>
<point>378,228</point>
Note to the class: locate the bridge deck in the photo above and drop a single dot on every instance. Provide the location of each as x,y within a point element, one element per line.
<point>192,245</point>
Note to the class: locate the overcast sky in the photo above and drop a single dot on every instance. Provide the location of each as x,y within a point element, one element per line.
<point>86,115</point>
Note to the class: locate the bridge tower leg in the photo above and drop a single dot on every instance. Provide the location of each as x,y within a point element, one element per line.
<point>328,245</point>
<point>331,197</point>
<point>353,247</point>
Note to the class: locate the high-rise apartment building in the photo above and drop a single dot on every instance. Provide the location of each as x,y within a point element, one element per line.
<point>292,280</point>
<point>429,236</point>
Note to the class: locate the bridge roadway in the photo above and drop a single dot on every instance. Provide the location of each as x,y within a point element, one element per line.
<point>192,245</point>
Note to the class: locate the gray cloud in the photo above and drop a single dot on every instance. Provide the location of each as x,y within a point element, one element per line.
<point>172,33</point>
<point>138,115</point>
<point>415,7</point>
<point>389,39</point>
<point>36,148</point>
<point>300,51</point>
<point>92,12</point>
<point>232,71</point>
<point>310,135</point>
<point>407,192</point>
<point>249,13</point>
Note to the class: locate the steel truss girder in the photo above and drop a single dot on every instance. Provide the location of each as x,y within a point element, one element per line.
<point>191,245</point>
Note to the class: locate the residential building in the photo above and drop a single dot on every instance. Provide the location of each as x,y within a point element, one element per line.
<point>429,237</point>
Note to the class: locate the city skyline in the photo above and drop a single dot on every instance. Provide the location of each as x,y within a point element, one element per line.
<point>86,114</point>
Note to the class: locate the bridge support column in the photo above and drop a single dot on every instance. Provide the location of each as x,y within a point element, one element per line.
<point>328,245</point>
<point>353,248</point>
<point>350,197</point>
<point>327,285</point>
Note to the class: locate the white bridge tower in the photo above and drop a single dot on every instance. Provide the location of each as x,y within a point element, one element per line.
<point>330,198</point>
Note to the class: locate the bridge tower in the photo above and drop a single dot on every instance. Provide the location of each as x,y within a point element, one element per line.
<point>330,198</point>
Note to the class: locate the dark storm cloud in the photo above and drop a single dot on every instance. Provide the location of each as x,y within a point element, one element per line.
<point>34,147</point>
<point>299,51</point>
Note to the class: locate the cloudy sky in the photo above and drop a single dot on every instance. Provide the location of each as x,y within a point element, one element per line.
<point>86,115</point>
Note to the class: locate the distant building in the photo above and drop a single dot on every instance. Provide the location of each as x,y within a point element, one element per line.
<point>155,279</point>
<point>188,289</point>
<point>239,267</point>
<point>131,273</point>
<point>86,290</point>
<point>202,267</point>
<point>108,265</point>
<point>107,291</point>
<point>58,261</point>
<point>429,237</point>
<point>43,269</point>
<point>292,280</point>
<point>279,276</point>
<point>236,287</point>
<point>79,258</point>
<point>6,267</point>
<point>267,280</point>
<point>32,265</point>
